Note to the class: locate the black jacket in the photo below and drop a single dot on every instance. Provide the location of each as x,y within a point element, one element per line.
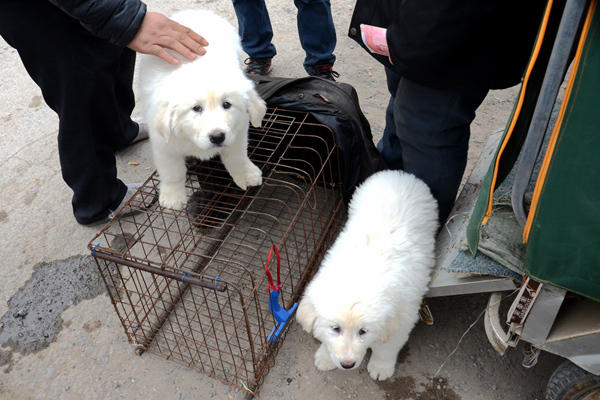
<point>454,44</point>
<point>117,21</point>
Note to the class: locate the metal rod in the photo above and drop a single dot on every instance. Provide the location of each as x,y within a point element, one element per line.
<point>158,271</point>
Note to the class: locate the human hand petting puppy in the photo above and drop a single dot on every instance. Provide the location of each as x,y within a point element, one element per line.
<point>159,32</point>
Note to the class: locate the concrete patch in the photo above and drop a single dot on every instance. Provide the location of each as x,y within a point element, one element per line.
<point>33,319</point>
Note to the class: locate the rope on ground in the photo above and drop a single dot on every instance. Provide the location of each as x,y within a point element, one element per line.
<point>467,331</point>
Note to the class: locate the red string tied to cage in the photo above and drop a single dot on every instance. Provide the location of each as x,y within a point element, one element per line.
<point>270,284</point>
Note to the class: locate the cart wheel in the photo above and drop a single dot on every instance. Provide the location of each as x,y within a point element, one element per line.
<point>569,382</point>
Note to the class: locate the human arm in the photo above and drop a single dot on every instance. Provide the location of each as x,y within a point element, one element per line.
<point>126,23</point>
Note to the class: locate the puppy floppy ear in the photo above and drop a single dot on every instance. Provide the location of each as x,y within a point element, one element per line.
<point>256,108</point>
<point>306,314</point>
<point>163,121</point>
<point>392,325</point>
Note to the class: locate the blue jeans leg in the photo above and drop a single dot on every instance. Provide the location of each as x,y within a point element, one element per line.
<point>255,28</point>
<point>316,32</point>
<point>428,135</point>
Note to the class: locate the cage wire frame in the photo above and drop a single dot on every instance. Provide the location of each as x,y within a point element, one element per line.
<point>190,285</point>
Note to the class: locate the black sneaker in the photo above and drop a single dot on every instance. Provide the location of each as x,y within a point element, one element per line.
<point>325,71</point>
<point>257,66</point>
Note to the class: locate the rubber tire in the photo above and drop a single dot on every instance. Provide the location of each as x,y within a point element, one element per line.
<point>569,382</point>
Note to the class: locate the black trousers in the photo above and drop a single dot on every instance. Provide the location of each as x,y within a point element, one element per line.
<point>87,81</point>
<point>427,134</point>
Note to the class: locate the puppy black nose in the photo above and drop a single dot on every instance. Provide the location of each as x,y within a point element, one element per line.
<point>348,365</point>
<point>217,138</point>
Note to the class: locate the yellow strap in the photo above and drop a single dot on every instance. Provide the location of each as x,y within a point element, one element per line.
<point>539,186</point>
<point>534,56</point>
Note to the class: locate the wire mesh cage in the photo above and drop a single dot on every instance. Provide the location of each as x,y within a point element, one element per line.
<point>191,285</point>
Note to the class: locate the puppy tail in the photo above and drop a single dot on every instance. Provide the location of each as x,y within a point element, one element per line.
<point>306,314</point>
<point>256,108</point>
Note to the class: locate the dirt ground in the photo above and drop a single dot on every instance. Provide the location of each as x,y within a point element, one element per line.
<point>61,339</point>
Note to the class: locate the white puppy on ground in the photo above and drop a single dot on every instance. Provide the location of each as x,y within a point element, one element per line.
<point>200,108</point>
<point>369,288</point>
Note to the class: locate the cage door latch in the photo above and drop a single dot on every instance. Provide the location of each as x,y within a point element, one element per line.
<point>280,314</point>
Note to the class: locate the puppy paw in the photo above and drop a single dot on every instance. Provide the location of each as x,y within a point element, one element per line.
<point>174,199</point>
<point>381,371</point>
<point>251,176</point>
<point>323,360</point>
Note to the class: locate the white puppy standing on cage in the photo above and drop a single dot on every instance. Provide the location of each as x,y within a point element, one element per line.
<point>369,288</point>
<point>200,108</point>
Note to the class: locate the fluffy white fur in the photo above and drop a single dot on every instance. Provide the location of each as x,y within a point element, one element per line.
<point>369,288</point>
<point>200,108</point>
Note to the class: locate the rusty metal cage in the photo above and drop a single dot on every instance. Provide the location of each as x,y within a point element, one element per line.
<point>190,285</point>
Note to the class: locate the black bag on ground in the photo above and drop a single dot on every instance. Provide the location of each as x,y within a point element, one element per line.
<point>335,105</point>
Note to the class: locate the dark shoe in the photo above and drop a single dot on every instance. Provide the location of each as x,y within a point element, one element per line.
<point>257,66</point>
<point>142,130</point>
<point>135,202</point>
<point>138,202</point>
<point>325,71</point>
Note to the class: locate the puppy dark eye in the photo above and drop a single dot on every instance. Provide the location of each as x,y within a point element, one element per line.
<point>362,332</point>
<point>226,105</point>
<point>197,108</point>
<point>336,329</point>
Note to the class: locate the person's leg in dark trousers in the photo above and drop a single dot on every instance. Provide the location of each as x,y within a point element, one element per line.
<point>432,128</point>
<point>316,32</point>
<point>87,82</point>
<point>255,28</point>
<point>389,146</point>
